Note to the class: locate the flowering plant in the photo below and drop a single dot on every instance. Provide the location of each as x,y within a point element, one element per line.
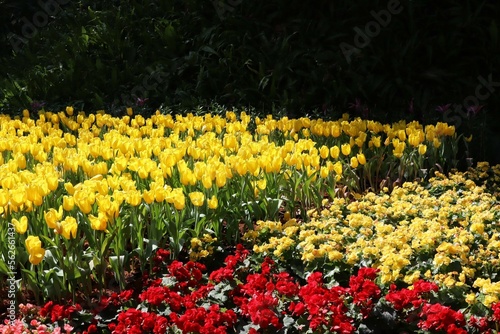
<point>254,295</point>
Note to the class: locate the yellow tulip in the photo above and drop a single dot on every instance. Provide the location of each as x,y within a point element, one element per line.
<point>197,198</point>
<point>335,129</point>
<point>69,188</point>
<point>20,225</point>
<point>346,149</point>
<point>220,178</point>
<point>261,184</point>
<point>178,199</point>
<point>337,167</point>
<point>323,173</point>
<point>354,162</point>
<point>399,148</point>
<point>4,197</point>
<point>98,223</point>
<point>374,141</point>
<point>324,152</point>
<point>422,149</point>
<point>206,180</point>
<point>148,196</point>
<point>69,227</point>
<point>35,250</point>
<point>84,199</point>
<point>35,194</point>
<point>52,217</point>
<point>68,203</point>
<point>52,182</point>
<point>334,152</point>
<point>21,161</point>
<point>361,158</point>
<point>133,197</point>
<point>213,203</point>
<point>436,142</point>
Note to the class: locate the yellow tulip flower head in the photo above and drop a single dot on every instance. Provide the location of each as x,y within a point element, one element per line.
<point>354,162</point>
<point>197,198</point>
<point>98,223</point>
<point>35,250</point>
<point>334,152</point>
<point>213,202</point>
<point>178,199</point>
<point>69,227</point>
<point>346,149</point>
<point>68,203</point>
<point>422,149</point>
<point>20,225</point>
<point>361,158</point>
<point>52,217</point>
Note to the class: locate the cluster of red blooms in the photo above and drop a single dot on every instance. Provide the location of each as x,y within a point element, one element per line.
<point>181,300</point>
<point>435,316</point>
<point>263,300</point>
<point>57,312</point>
<point>410,298</point>
<point>136,322</point>
<point>323,306</point>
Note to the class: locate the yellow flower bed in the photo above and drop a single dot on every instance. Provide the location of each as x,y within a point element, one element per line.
<point>447,231</point>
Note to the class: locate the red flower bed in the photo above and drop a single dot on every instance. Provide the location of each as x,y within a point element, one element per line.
<point>256,296</point>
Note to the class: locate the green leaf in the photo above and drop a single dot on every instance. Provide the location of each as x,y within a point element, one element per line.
<point>49,257</point>
<point>3,268</point>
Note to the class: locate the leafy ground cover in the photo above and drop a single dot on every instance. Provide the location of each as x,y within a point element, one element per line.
<point>238,224</point>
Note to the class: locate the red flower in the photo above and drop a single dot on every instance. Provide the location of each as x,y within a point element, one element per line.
<point>267,266</point>
<point>261,311</point>
<point>410,298</point>
<point>438,317</point>
<point>92,329</point>
<point>135,321</point>
<point>297,308</point>
<point>155,295</point>
<point>496,311</point>
<point>255,283</point>
<point>188,275</point>
<point>403,298</point>
<point>200,320</point>
<point>222,274</point>
<point>285,285</point>
<point>422,286</point>
<point>202,292</point>
<point>161,256</point>
<point>363,290</point>
<point>325,307</point>
<point>367,273</point>
<point>45,310</point>
<point>480,323</point>
<point>58,312</point>
<point>161,325</point>
<point>126,295</point>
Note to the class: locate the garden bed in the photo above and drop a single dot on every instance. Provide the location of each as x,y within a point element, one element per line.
<point>232,223</point>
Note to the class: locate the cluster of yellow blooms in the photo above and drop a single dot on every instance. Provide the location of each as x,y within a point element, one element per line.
<point>447,232</point>
<point>67,169</point>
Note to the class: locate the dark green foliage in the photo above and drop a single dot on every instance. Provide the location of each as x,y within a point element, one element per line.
<point>265,54</point>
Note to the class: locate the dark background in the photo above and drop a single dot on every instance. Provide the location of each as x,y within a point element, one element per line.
<point>280,57</point>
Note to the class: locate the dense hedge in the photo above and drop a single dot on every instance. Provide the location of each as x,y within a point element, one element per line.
<point>401,59</point>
